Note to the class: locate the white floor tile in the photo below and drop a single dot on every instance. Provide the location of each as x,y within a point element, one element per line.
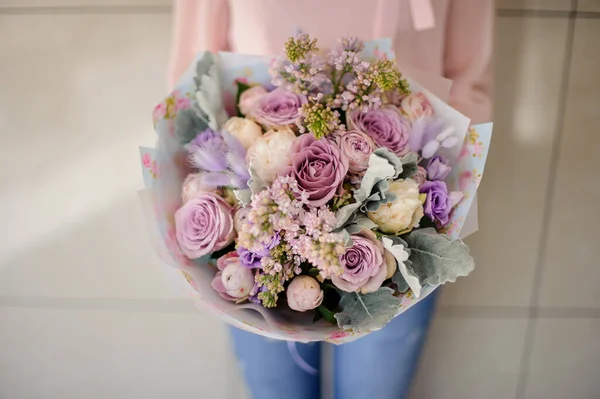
<point>588,5</point>
<point>529,56</point>
<point>571,276</point>
<point>559,5</point>
<point>471,359</point>
<point>73,109</point>
<point>97,354</point>
<point>565,360</point>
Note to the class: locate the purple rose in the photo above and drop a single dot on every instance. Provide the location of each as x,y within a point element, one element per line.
<point>358,147</point>
<point>438,169</point>
<point>366,264</point>
<point>437,205</point>
<point>204,224</point>
<point>319,167</point>
<point>384,125</point>
<point>278,108</point>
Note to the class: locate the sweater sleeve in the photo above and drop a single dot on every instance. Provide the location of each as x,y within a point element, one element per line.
<point>468,57</point>
<point>197,25</point>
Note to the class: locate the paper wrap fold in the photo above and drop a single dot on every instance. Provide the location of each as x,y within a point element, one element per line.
<point>165,168</point>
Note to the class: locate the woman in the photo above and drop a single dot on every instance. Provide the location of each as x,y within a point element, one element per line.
<point>451,38</point>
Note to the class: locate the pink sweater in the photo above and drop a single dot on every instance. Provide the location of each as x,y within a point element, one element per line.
<point>452,38</point>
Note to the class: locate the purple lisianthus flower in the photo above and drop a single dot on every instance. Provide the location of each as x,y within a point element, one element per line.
<point>249,259</point>
<point>319,167</point>
<point>438,168</point>
<point>437,204</point>
<point>384,125</point>
<point>252,259</point>
<point>279,107</point>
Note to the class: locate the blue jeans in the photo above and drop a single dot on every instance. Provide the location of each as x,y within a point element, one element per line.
<point>380,365</point>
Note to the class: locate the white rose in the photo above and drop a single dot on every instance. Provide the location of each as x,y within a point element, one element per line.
<point>304,293</point>
<point>249,99</point>
<point>245,130</point>
<point>239,218</point>
<point>271,153</point>
<point>403,213</point>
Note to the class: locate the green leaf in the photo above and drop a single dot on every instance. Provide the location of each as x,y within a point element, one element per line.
<point>241,87</point>
<point>256,184</point>
<point>313,272</point>
<point>383,164</point>
<point>436,259</point>
<point>400,282</point>
<point>187,125</point>
<point>367,312</point>
<point>224,251</point>
<point>409,165</point>
<point>208,95</point>
<point>327,314</point>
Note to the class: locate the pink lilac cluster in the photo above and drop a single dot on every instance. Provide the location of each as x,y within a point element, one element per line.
<point>268,187</point>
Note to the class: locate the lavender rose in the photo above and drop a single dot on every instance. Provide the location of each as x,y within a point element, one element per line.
<point>304,293</point>
<point>384,125</point>
<point>233,281</point>
<point>319,167</point>
<point>438,169</point>
<point>204,224</point>
<point>278,108</point>
<point>358,147</point>
<point>367,264</point>
<point>437,205</point>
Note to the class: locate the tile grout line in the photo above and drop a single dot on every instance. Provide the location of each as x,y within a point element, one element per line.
<point>185,305</point>
<point>550,190</point>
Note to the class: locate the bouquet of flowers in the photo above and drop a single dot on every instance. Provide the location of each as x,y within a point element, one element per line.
<point>312,196</point>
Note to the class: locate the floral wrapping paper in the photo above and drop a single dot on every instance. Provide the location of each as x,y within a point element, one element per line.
<point>164,169</point>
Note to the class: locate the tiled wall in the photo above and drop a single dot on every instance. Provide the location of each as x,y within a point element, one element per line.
<point>86,310</point>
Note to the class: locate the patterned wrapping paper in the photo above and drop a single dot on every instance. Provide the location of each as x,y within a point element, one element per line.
<point>164,170</point>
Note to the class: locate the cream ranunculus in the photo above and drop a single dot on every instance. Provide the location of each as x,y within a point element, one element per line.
<point>271,154</point>
<point>245,130</point>
<point>304,293</point>
<point>403,213</point>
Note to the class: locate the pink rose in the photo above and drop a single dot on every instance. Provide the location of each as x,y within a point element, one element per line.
<point>358,147</point>
<point>233,281</point>
<point>421,176</point>
<point>250,98</point>
<point>415,106</point>
<point>319,167</point>
<point>366,264</point>
<point>204,224</point>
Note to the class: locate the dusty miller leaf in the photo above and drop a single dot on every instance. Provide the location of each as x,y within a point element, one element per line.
<point>188,125</point>
<point>436,259</point>
<point>409,165</point>
<point>244,196</point>
<point>399,249</point>
<point>256,184</point>
<point>367,312</point>
<point>383,165</point>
